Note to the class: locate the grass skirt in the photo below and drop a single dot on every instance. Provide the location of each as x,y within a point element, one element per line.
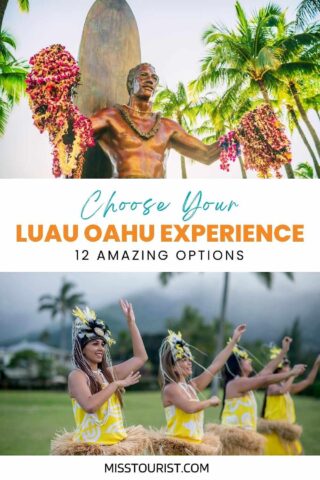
<point>282,438</point>
<point>237,441</point>
<point>162,444</point>
<point>136,443</point>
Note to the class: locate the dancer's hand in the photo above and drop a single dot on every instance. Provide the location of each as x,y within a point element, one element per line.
<point>298,369</point>
<point>131,379</point>
<point>238,332</point>
<point>214,401</point>
<point>286,342</point>
<point>127,309</point>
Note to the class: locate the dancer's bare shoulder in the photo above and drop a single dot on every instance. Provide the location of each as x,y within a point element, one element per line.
<point>76,375</point>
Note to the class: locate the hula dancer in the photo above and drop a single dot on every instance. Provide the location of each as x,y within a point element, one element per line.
<point>278,413</point>
<point>95,387</point>
<point>239,403</point>
<point>183,410</point>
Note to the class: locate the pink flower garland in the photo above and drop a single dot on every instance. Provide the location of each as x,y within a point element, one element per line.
<point>50,86</point>
<point>265,144</point>
<point>266,147</point>
<point>230,146</point>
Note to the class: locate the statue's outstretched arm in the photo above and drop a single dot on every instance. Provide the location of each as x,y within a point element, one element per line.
<point>193,148</point>
<point>99,122</point>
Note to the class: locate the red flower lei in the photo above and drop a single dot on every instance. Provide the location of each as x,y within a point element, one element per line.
<point>265,145</point>
<point>50,86</point>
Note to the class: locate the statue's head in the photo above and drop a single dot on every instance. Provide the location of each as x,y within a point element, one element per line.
<point>142,80</point>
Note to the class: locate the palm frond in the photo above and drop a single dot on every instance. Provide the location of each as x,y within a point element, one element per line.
<point>24,5</point>
<point>6,41</point>
<point>266,278</point>
<point>298,68</point>
<point>65,288</point>
<point>165,277</point>
<point>304,170</point>
<point>306,11</point>
<point>268,59</point>
<point>5,109</point>
<point>75,299</point>
<point>46,306</point>
<point>243,24</point>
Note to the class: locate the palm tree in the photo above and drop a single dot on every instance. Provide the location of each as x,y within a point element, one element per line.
<point>12,78</point>
<point>293,116</point>
<point>61,306</point>
<point>265,277</point>
<point>177,106</point>
<point>299,69</point>
<point>23,5</point>
<point>246,59</point>
<point>306,11</point>
<point>304,170</point>
<point>223,113</point>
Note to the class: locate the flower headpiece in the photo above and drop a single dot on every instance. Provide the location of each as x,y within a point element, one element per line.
<point>274,352</point>
<point>239,351</point>
<point>179,348</point>
<point>87,327</point>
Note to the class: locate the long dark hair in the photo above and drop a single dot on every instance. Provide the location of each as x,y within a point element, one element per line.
<point>231,369</point>
<point>81,363</point>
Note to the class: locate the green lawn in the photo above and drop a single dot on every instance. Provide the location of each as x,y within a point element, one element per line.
<point>28,420</point>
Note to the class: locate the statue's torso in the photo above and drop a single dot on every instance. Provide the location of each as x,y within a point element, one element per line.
<point>131,155</point>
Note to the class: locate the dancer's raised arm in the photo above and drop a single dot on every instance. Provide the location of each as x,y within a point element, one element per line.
<point>273,364</point>
<point>122,370</point>
<point>300,386</point>
<point>282,388</point>
<point>203,380</point>
<point>245,384</point>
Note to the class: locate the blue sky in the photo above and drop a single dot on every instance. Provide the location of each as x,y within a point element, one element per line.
<point>170,35</point>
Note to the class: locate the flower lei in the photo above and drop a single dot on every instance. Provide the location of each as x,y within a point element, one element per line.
<point>266,147</point>
<point>231,150</point>
<point>50,86</point>
<point>144,135</point>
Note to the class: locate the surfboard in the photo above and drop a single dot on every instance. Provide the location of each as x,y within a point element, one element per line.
<point>109,48</point>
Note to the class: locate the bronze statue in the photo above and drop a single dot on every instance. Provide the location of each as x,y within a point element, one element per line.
<point>137,139</point>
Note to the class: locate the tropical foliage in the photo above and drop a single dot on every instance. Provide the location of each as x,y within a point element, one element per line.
<point>23,5</point>
<point>177,106</point>
<point>12,78</point>
<point>12,71</point>
<point>220,324</point>
<point>307,10</point>
<point>264,59</point>
<point>304,170</point>
<point>61,306</point>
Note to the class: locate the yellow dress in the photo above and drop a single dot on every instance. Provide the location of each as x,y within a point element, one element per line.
<point>240,412</point>
<point>280,407</point>
<point>182,425</point>
<point>105,426</point>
